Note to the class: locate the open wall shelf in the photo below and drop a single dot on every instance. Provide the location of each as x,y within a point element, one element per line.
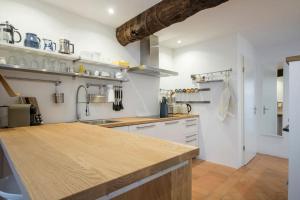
<point>204,102</point>
<point>69,74</point>
<point>55,55</point>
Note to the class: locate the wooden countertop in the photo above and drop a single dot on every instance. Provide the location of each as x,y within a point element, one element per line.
<point>80,161</point>
<point>292,59</point>
<point>128,121</point>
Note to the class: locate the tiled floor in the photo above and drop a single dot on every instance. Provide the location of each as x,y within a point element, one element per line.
<point>264,178</point>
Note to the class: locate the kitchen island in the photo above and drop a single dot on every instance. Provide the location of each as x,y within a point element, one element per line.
<point>81,161</point>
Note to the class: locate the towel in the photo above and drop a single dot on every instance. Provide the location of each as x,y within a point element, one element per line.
<point>223,110</point>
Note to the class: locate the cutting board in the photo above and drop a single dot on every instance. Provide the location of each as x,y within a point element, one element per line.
<point>7,87</point>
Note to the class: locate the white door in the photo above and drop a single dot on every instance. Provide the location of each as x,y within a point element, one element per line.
<point>269,101</point>
<point>249,112</point>
<point>294,134</point>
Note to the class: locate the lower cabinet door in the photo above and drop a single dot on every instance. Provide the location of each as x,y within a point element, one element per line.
<point>192,139</point>
<point>152,129</point>
<point>122,128</point>
<point>173,131</point>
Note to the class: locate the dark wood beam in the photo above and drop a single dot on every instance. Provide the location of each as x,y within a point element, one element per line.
<point>160,16</point>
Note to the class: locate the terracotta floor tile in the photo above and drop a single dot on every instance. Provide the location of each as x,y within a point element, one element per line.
<point>264,178</point>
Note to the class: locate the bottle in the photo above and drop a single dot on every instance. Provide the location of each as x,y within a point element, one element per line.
<point>164,108</point>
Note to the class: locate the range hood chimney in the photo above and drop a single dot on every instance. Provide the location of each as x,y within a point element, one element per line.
<point>149,58</point>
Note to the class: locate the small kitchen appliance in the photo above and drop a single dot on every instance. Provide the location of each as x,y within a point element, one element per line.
<point>7,33</point>
<point>18,115</point>
<point>35,114</point>
<point>3,116</point>
<point>65,46</point>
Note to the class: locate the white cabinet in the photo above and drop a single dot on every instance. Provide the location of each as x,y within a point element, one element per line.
<point>173,131</point>
<point>151,129</point>
<point>191,125</point>
<point>184,131</point>
<point>122,128</point>
<point>192,139</point>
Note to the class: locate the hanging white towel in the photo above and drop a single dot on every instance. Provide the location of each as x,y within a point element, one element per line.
<point>225,100</point>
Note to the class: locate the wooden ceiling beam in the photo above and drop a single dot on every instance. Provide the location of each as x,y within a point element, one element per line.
<point>160,16</point>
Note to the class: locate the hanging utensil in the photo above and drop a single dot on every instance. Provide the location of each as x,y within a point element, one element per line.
<point>121,101</point>
<point>118,104</point>
<point>115,97</point>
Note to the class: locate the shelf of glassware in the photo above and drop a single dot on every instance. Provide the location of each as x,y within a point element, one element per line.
<point>40,52</point>
<point>70,74</point>
<point>97,63</point>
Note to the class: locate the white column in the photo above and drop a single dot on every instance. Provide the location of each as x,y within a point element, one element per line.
<point>294,134</point>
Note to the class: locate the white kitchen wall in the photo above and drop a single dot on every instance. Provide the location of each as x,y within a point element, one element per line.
<point>247,95</point>
<point>219,141</point>
<point>140,94</point>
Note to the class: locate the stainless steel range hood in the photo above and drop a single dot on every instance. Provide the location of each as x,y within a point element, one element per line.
<point>149,54</point>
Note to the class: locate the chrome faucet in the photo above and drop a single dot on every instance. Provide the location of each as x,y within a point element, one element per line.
<point>87,109</point>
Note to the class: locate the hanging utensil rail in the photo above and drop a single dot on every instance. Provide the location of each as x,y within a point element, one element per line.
<point>216,76</point>
<point>56,82</point>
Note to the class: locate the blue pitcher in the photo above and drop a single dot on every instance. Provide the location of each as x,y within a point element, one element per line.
<point>32,40</point>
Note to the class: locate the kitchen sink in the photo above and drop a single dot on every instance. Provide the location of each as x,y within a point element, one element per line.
<point>99,121</point>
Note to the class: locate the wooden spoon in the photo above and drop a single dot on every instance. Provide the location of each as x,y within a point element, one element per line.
<point>7,87</point>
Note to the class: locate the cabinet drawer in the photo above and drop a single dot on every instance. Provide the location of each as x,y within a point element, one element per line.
<point>122,128</point>
<point>173,131</point>
<point>153,129</point>
<point>191,127</point>
<point>192,142</point>
<point>191,135</point>
<point>192,139</point>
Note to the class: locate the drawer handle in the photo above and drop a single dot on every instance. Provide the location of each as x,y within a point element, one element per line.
<point>190,120</point>
<point>169,123</point>
<point>189,136</point>
<point>189,125</point>
<point>188,141</point>
<point>149,126</point>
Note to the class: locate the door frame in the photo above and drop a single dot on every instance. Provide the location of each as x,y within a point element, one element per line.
<point>243,136</point>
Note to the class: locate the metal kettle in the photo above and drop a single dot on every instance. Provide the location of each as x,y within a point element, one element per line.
<point>7,33</point>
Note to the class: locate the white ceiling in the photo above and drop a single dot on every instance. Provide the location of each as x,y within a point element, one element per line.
<point>264,22</point>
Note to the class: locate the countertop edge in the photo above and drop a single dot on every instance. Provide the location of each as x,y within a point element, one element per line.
<point>128,179</point>
<point>151,120</point>
<point>292,59</point>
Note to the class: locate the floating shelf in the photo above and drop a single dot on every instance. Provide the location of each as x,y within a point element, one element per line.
<point>212,81</point>
<point>70,74</point>
<point>101,64</point>
<point>193,102</point>
<point>40,52</point>
<point>152,71</point>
